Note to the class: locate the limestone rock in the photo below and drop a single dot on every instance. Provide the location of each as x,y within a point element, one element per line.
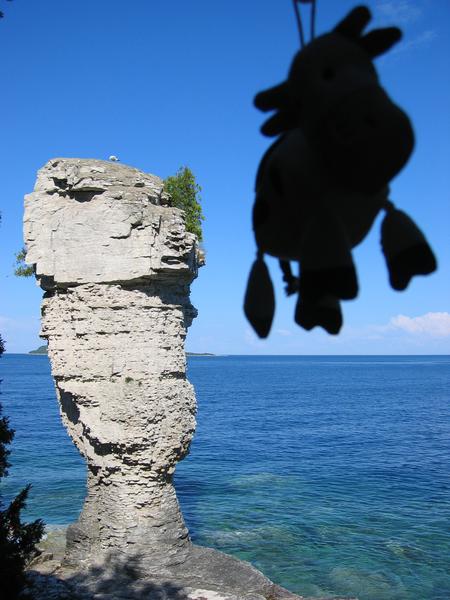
<point>116,264</point>
<point>90,221</point>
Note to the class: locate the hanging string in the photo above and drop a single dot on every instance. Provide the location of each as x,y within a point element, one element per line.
<point>299,23</point>
<point>299,20</point>
<point>313,20</point>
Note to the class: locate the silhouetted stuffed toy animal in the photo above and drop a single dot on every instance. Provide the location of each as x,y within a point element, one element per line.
<point>320,186</point>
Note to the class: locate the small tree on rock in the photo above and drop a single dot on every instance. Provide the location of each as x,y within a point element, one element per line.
<point>21,269</point>
<point>185,194</point>
<point>1,12</point>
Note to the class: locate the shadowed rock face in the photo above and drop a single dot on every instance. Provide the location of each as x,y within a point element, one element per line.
<point>116,264</point>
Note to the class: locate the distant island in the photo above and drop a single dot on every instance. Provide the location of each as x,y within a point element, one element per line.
<point>43,350</point>
<point>40,350</point>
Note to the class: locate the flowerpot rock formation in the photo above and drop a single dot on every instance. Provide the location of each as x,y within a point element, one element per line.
<point>116,263</point>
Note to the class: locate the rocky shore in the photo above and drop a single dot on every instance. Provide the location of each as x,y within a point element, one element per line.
<point>236,580</point>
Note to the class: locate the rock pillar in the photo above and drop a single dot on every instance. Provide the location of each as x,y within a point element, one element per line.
<point>116,263</point>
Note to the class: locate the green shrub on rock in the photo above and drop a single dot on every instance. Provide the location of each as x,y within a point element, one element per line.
<point>21,269</point>
<point>185,194</point>
<point>17,540</point>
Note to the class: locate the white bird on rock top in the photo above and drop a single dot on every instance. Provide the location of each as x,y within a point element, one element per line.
<point>113,158</point>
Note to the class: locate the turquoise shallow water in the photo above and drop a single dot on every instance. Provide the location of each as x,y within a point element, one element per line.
<point>330,474</point>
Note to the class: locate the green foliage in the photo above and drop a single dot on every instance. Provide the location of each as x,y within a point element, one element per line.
<point>185,194</point>
<point>6,437</point>
<point>17,540</point>
<point>6,434</point>
<point>2,13</point>
<point>21,269</point>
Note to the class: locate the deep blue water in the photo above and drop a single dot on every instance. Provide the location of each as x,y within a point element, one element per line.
<point>330,474</point>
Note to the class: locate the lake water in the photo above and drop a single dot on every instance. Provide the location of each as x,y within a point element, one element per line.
<point>330,474</point>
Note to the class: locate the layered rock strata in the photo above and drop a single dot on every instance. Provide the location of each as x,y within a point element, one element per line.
<point>116,263</point>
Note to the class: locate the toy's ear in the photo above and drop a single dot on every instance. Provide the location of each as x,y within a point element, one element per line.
<point>354,23</point>
<point>272,98</point>
<point>378,41</point>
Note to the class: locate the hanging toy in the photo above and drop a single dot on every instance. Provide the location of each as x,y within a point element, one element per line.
<point>320,186</point>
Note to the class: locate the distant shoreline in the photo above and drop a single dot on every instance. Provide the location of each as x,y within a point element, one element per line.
<point>33,353</point>
<point>286,355</point>
<point>42,350</point>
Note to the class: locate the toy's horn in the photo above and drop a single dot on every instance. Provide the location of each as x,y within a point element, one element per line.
<point>259,303</point>
<point>378,41</point>
<point>405,248</point>
<point>354,23</point>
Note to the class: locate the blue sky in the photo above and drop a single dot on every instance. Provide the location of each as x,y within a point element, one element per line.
<point>164,84</point>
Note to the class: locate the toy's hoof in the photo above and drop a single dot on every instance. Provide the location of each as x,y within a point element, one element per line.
<point>326,314</point>
<point>259,303</point>
<point>292,282</point>
<point>405,248</point>
<point>340,282</point>
<point>417,260</point>
<point>292,286</point>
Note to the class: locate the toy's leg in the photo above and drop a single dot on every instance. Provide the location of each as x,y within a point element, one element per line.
<point>326,313</point>
<point>327,266</point>
<point>291,281</point>
<point>259,303</point>
<point>405,248</point>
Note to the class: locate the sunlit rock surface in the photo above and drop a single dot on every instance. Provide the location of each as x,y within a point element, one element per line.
<point>116,264</point>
